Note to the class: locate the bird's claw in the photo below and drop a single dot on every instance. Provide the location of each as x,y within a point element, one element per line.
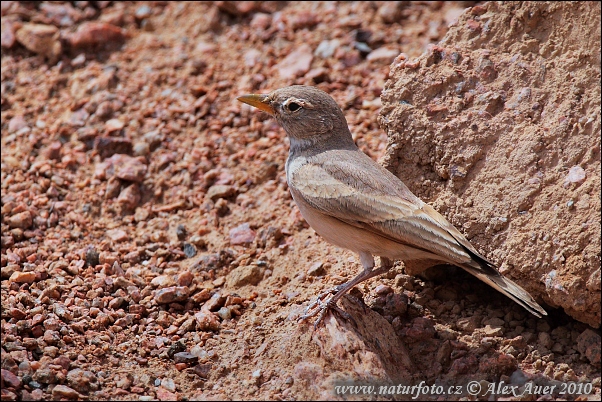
<point>322,307</point>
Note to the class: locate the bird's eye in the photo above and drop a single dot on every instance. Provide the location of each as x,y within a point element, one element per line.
<point>293,107</point>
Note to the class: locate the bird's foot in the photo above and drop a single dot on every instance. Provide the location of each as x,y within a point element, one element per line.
<point>321,307</point>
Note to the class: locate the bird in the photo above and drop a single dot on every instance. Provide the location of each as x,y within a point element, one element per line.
<point>355,203</point>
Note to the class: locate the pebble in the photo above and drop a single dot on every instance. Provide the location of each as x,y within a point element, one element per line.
<point>41,39</point>
<point>92,34</point>
<point>220,191</point>
<point>22,220</point>
<point>165,395</point>
<point>317,269</point>
<point>117,235</point>
<point>383,54</point>
<point>63,391</point>
<point>296,64</point>
<point>185,357</point>
<point>245,275</point>
<point>326,48</point>
<point>16,124</point>
<point>576,175</point>
<point>207,321</point>
<point>108,146</point>
<point>171,294</point>
<point>588,344</point>
<point>242,234</point>
<point>82,381</point>
<point>10,379</point>
<point>23,277</point>
<point>163,281</point>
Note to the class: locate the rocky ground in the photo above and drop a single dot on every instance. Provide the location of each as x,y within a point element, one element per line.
<point>150,246</point>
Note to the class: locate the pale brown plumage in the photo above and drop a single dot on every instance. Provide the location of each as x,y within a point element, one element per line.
<point>355,203</point>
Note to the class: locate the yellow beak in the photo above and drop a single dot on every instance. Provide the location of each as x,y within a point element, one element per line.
<point>259,101</point>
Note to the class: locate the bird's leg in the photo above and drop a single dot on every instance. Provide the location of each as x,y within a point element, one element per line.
<point>323,306</point>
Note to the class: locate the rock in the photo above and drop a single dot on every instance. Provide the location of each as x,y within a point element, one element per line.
<point>296,64</point>
<point>130,197</point>
<point>588,344</point>
<point>16,124</point>
<point>417,108</point>
<point>317,269</point>
<point>207,321</point>
<point>172,294</point>
<point>163,281</point>
<point>113,125</point>
<point>9,27</point>
<point>468,324</point>
<point>10,380</point>
<point>96,34</point>
<point>220,191</point>
<point>63,391</point>
<point>129,168</point>
<point>41,39</point>
<point>23,277</point>
<point>108,146</point>
<point>45,376</point>
<point>383,54</point>
<point>245,275</point>
<point>576,175</point>
<point>22,220</point>
<point>165,395</point>
<point>185,357</point>
<point>117,235</point>
<point>242,234</point>
<point>326,48</point>
<point>185,278</point>
<point>389,12</point>
<point>82,381</point>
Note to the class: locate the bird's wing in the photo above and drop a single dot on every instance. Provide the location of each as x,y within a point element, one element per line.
<point>358,191</point>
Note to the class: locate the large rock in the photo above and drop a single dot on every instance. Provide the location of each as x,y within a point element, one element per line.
<point>498,127</point>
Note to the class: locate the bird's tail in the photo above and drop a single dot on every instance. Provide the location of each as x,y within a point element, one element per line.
<point>490,275</point>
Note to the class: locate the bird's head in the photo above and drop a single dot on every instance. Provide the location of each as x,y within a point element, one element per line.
<point>306,113</point>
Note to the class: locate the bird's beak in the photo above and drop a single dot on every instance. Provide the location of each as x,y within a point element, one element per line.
<point>261,102</point>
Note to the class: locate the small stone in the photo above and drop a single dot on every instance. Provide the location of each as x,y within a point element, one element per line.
<point>92,257</point>
<point>383,54</point>
<point>171,294</point>
<point>41,39</point>
<point>163,281</point>
<point>206,321</point>
<point>22,220</point>
<point>95,34</point>
<point>82,381</point>
<point>383,290</point>
<point>189,250</point>
<point>114,125</point>
<point>224,313</point>
<point>588,344</point>
<point>10,380</point>
<point>296,64</point>
<point>326,48</point>
<point>165,395</point>
<point>220,191</point>
<point>130,197</point>
<point>576,175</point>
<point>317,269</point>
<point>16,124</point>
<point>185,357</point>
<point>242,234</point>
<point>23,277</point>
<point>117,235</point>
<point>63,391</point>
<point>108,146</point>
<point>468,324</point>
<point>185,278</point>
<point>245,275</point>
<point>202,370</point>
